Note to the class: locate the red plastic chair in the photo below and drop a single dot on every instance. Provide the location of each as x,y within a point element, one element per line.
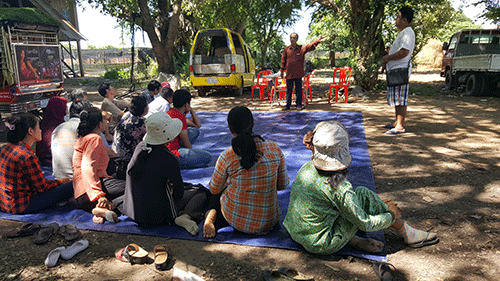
<point>280,88</point>
<point>262,84</point>
<point>306,87</point>
<point>343,82</point>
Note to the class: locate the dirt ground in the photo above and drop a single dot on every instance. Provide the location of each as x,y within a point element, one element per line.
<point>444,172</point>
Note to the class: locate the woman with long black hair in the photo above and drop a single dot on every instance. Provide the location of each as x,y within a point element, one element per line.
<point>246,179</point>
<point>23,188</point>
<point>95,191</point>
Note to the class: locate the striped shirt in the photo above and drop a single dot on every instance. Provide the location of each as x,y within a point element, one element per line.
<point>249,197</point>
<point>20,177</point>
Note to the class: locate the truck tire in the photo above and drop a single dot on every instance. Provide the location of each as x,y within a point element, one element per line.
<point>202,92</point>
<point>475,83</point>
<point>239,91</point>
<point>448,80</point>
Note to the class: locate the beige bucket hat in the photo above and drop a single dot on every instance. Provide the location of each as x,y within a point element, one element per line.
<point>161,128</point>
<point>331,146</point>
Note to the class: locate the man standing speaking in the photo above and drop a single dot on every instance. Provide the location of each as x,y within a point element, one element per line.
<point>292,61</point>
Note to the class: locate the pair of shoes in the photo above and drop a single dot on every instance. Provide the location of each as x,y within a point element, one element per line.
<point>285,108</point>
<point>26,230</point>
<point>43,235</point>
<point>389,126</point>
<point>285,274</point>
<point>65,253</point>
<point>133,254</point>
<point>384,270</point>
<point>161,257</point>
<point>395,131</point>
<point>299,108</point>
<point>69,232</point>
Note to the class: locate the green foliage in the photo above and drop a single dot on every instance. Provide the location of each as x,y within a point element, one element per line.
<point>116,73</point>
<point>273,55</point>
<point>29,15</point>
<point>108,47</point>
<point>181,64</point>
<point>331,25</point>
<point>491,10</point>
<point>231,14</point>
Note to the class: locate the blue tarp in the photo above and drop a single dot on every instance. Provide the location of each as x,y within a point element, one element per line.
<point>286,129</point>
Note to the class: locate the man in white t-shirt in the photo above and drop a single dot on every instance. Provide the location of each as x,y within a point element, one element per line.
<point>163,102</point>
<point>399,57</point>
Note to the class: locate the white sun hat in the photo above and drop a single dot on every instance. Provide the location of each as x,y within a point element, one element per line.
<point>161,128</point>
<point>331,146</point>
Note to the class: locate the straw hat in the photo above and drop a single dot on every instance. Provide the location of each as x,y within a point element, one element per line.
<point>161,128</point>
<point>331,146</point>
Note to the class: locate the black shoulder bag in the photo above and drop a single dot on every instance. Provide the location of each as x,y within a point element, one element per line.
<point>398,76</point>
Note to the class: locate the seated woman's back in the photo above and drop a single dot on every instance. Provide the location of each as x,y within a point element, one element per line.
<point>146,199</point>
<point>248,174</point>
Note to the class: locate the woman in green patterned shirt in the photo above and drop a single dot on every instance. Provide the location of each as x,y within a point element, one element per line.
<point>325,211</point>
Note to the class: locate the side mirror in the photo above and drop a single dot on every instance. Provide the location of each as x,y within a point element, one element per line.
<point>445,46</point>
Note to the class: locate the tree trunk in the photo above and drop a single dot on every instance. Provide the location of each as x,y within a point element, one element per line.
<point>263,59</point>
<point>366,38</point>
<point>162,47</point>
<point>365,24</point>
<point>331,56</point>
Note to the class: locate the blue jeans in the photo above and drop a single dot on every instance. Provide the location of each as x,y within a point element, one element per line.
<point>50,197</point>
<point>193,134</point>
<point>297,82</point>
<point>193,158</point>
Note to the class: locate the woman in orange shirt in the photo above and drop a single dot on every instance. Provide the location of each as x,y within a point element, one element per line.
<point>95,191</point>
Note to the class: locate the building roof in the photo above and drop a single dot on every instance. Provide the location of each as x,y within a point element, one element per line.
<point>67,29</point>
<point>28,15</point>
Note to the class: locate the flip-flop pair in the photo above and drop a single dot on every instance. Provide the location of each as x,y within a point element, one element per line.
<point>65,253</point>
<point>285,274</point>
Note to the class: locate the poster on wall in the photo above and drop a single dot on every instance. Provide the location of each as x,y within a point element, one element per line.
<point>38,64</point>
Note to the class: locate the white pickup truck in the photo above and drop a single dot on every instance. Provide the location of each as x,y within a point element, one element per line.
<point>472,59</point>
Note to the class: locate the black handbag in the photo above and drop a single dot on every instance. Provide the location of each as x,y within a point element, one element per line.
<point>398,76</point>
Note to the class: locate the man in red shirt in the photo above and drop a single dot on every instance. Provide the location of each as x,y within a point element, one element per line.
<point>292,61</point>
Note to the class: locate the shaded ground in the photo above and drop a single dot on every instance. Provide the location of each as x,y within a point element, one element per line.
<point>445,173</point>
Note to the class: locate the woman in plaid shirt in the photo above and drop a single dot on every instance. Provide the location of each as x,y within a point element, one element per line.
<point>246,178</point>
<point>23,188</point>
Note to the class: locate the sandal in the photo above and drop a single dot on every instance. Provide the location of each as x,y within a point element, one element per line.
<point>294,274</point>
<point>45,232</point>
<point>384,270</point>
<point>425,242</point>
<point>26,230</point>
<point>161,257</point>
<point>69,232</point>
<point>132,254</point>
